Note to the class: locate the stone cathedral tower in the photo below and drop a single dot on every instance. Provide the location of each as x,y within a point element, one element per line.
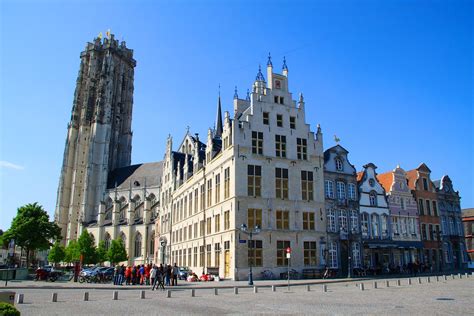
<point>99,137</point>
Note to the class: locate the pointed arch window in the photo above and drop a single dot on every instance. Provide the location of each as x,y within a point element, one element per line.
<point>138,245</point>
<point>107,241</point>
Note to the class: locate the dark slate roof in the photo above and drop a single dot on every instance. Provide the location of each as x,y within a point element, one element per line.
<point>136,175</point>
<point>216,146</point>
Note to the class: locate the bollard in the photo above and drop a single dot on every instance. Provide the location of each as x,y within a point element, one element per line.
<point>308,288</point>
<point>437,278</point>
<point>115,295</point>
<point>419,280</point>
<point>409,281</point>
<point>273,288</point>
<point>452,276</point>
<point>255,289</point>
<point>428,279</point>
<point>445,277</point>
<point>142,294</point>
<point>399,283</point>
<point>361,286</point>
<point>236,290</point>
<point>168,294</point>
<point>325,288</point>
<point>459,275</point>
<point>216,291</point>
<point>19,298</point>
<point>54,297</point>
<point>86,296</point>
<point>193,293</point>
<point>466,275</point>
<point>388,283</point>
<point>375,284</point>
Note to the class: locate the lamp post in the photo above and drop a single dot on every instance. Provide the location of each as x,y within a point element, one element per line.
<point>250,233</point>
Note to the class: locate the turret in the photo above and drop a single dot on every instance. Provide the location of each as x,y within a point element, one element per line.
<point>259,84</point>
<point>270,72</point>
<point>285,68</point>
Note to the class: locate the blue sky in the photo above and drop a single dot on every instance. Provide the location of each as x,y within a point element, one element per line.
<point>393,79</point>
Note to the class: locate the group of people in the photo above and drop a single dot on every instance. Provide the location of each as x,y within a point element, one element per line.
<point>147,274</point>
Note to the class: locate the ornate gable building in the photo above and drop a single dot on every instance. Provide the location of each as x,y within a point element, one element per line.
<point>342,209</point>
<point>404,217</point>
<point>262,172</point>
<point>452,230</point>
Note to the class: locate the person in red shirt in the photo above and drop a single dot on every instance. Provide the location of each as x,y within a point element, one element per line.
<point>128,275</point>
<point>147,274</point>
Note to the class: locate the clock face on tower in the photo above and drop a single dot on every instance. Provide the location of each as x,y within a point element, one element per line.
<point>277,84</point>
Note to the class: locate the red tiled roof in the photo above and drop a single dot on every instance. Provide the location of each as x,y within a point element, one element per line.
<point>386,180</point>
<point>412,175</point>
<point>360,175</point>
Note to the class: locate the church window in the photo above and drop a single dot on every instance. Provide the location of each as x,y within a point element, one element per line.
<point>138,245</point>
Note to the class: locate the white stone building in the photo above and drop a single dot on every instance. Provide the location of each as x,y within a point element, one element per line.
<point>262,168</point>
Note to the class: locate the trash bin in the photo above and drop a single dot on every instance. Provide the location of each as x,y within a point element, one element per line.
<point>7,297</point>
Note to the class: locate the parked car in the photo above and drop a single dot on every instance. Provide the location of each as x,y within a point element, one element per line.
<point>183,273</point>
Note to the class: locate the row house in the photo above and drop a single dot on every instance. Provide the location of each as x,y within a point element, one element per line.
<point>404,218</point>
<point>424,191</point>
<point>342,209</point>
<point>375,220</point>
<point>452,232</point>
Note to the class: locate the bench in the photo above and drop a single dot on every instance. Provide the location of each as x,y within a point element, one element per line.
<point>312,273</point>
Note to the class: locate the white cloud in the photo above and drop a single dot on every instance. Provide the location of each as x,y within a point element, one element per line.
<point>6,164</point>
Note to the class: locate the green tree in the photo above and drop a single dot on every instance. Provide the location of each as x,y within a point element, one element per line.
<point>117,252</point>
<point>57,253</point>
<point>87,248</point>
<point>72,252</point>
<point>32,230</point>
<point>101,252</point>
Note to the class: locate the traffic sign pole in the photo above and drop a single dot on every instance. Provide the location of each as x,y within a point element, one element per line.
<point>288,256</point>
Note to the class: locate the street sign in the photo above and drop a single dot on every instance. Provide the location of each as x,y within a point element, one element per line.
<point>242,241</point>
<point>288,255</point>
<point>288,250</point>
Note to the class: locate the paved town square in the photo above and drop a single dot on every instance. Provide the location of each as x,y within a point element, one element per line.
<point>445,297</point>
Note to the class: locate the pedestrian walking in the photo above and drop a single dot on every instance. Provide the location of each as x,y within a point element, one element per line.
<point>153,275</point>
<point>168,275</point>
<point>128,275</point>
<point>175,274</point>
<point>121,274</point>
<point>141,273</point>
<point>147,274</point>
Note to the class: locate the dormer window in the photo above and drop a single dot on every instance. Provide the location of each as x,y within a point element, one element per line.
<point>425,184</point>
<point>373,198</point>
<point>339,165</point>
<point>277,84</point>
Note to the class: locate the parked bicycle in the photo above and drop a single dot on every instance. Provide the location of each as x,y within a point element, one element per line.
<point>267,275</point>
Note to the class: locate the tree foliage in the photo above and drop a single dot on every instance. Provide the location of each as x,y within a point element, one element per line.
<point>72,252</point>
<point>32,230</point>
<point>87,248</point>
<point>117,252</point>
<point>57,253</point>
<point>101,252</point>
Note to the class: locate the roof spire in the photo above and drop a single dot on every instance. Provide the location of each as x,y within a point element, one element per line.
<point>219,115</point>
<point>285,67</point>
<point>236,96</point>
<point>248,95</point>
<point>269,62</point>
<point>260,76</point>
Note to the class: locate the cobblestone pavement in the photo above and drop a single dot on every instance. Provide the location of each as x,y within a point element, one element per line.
<point>446,297</point>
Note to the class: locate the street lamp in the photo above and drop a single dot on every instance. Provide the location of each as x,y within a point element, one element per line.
<point>250,233</point>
